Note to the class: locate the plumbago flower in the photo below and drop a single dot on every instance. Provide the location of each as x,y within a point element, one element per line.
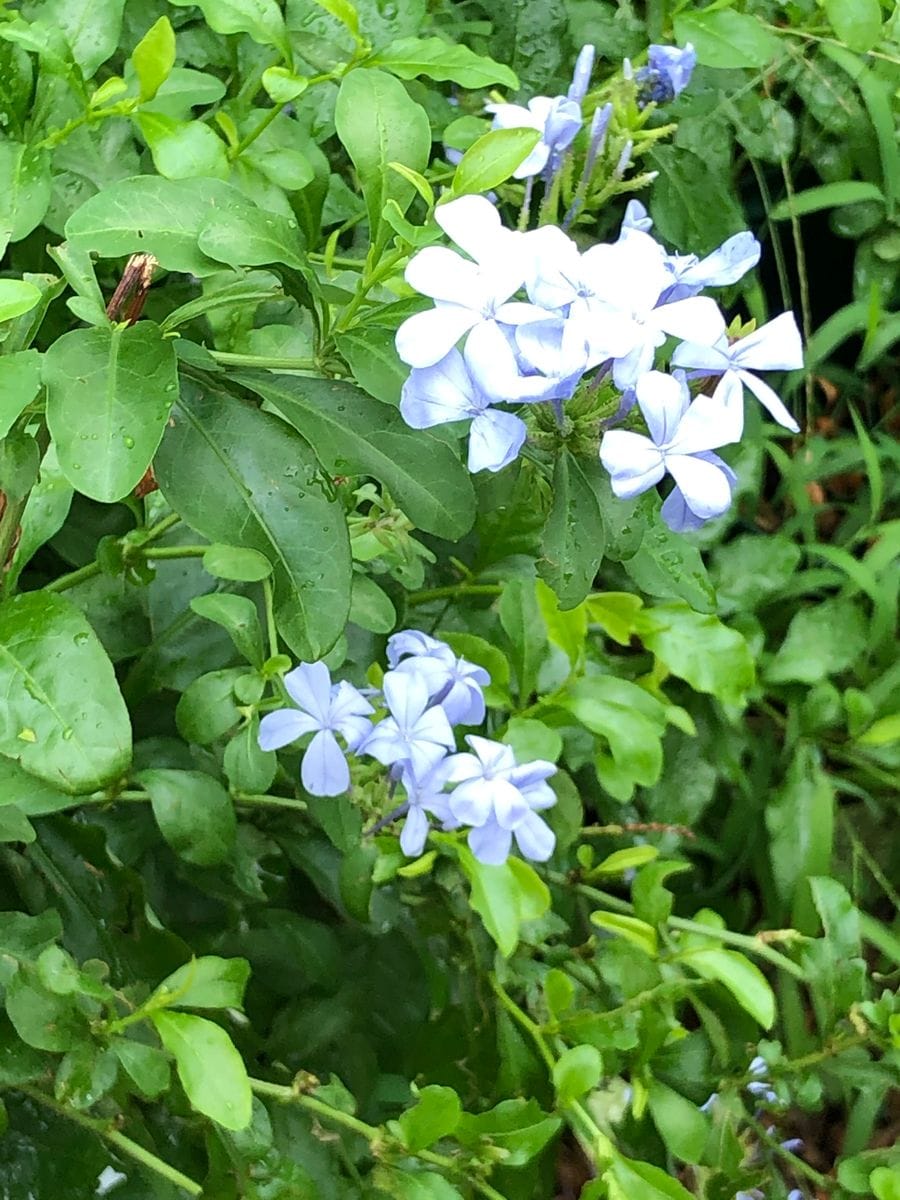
<point>666,75</point>
<point>427,690</point>
<point>323,708</point>
<point>501,800</point>
<point>683,434</point>
<point>467,294</point>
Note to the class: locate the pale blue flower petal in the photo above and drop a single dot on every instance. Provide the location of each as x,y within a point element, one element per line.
<point>633,462</point>
<point>427,337</point>
<point>664,400</point>
<point>444,275</point>
<point>439,394</point>
<point>414,832</point>
<point>472,802</point>
<point>775,346</point>
<point>510,806</point>
<point>535,838</point>
<point>677,516</point>
<point>581,78</point>
<point>473,223</point>
<point>705,487</point>
<point>769,399</point>
<point>309,686</point>
<point>324,771</point>
<point>495,439</point>
<point>696,319</point>
<point>285,725</point>
<point>406,697</point>
<point>490,844</point>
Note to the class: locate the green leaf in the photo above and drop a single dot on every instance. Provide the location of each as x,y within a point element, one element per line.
<point>440,60</point>
<point>109,392</point>
<point>828,195</point>
<point>255,483</point>
<point>231,562</point>
<point>504,897</point>
<point>183,149</point>
<point>147,1066</point>
<point>283,85</point>
<point>616,613</point>
<point>17,297</point>
<point>652,901</point>
<point>78,740</point>
<point>856,22</point>
<point>14,825</point>
<point>370,607</point>
<point>246,237</point>
<point>741,977</point>
<point>697,647</point>
<point>532,740</point>
<point>800,823</point>
<point>435,1115</point>
<point>344,11</point>
<point>355,435</point>
<point>628,1179</point>
<point>628,859</point>
<point>492,159</point>
<point>576,1072</point>
<point>247,767</point>
<point>41,1018</point>
<point>668,566</point>
<point>208,982</point>
<point>574,537</point>
<point>25,189</point>
<point>20,378</point>
<point>154,57</point>
<point>162,217</point>
<point>378,123</point>
<point>211,1071</point>
<point>91,27</point>
<point>261,19</point>
<point>725,38</point>
<point>631,720</point>
<point>238,615</point>
<point>522,623</point>
<point>374,361</point>
<point>194,813</point>
<point>409,1184</point>
<point>821,640</point>
<point>682,1126</point>
<point>518,1126</point>
<point>633,930</point>
<point>566,629</point>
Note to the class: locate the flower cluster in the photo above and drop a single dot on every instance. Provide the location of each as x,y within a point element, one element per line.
<point>427,690</point>
<point>524,317</point>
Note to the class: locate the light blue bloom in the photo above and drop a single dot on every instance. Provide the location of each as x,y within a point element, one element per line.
<point>453,683</point>
<point>636,218</point>
<point>501,801</point>
<point>666,75</point>
<point>556,349</point>
<point>426,798</point>
<point>557,119</point>
<point>681,435</point>
<point>775,346</point>
<point>465,387</point>
<point>581,78</point>
<point>325,709</point>
<point>467,293</point>
<point>726,265</point>
<point>414,735</point>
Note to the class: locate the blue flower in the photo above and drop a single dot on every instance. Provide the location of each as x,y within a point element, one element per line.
<point>426,798</point>
<point>467,293</point>
<point>581,78</point>
<point>557,119</point>
<point>453,683</point>
<point>465,387</point>
<point>414,735</point>
<point>775,346</point>
<point>666,75</point>
<point>501,800</point>
<point>682,434</point>
<point>325,709</point>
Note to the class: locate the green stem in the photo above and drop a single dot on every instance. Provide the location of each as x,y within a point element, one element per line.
<point>596,1143</point>
<point>336,260</point>
<point>73,578</point>
<point>251,137</point>
<point>797,1164</point>
<point>457,589</point>
<point>744,941</point>
<point>263,361</point>
<point>163,552</point>
<point>269,801</point>
<point>372,1133</point>
<point>271,627</point>
<point>366,283</point>
<point>117,1139</point>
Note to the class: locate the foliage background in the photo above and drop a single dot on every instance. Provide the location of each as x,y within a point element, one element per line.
<point>743,720</point>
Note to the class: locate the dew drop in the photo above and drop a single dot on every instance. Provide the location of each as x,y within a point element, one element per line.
<point>68,734</point>
<point>80,638</point>
<point>129,441</point>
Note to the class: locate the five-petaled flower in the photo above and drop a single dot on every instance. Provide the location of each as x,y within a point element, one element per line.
<point>414,735</point>
<point>323,708</point>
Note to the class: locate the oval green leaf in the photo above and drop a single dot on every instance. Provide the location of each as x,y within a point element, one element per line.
<point>63,717</point>
<point>211,1071</point>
